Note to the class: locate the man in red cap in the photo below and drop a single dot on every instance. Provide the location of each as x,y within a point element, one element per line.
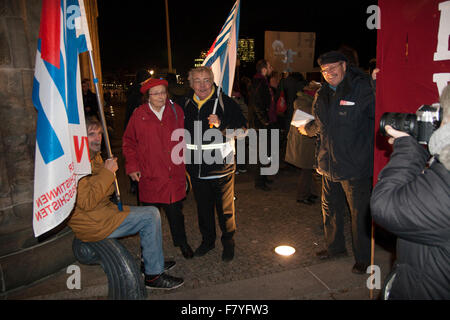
<point>147,147</point>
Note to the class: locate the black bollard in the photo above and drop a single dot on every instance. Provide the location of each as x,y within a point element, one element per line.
<point>125,281</point>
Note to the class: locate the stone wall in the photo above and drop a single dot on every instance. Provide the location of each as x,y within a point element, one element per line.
<point>19,27</point>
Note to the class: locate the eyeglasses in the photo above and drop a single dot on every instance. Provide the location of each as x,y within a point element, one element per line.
<point>162,93</point>
<point>330,69</point>
<point>200,81</point>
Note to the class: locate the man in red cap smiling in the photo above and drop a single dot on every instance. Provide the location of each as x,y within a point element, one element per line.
<point>147,147</point>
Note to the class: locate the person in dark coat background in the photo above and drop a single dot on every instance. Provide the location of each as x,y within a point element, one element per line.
<point>413,202</point>
<point>300,150</point>
<point>89,100</point>
<point>260,100</point>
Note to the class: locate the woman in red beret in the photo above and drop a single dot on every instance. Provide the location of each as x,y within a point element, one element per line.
<point>147,147</point>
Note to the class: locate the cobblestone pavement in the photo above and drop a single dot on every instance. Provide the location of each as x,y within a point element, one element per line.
<point>264,220</point>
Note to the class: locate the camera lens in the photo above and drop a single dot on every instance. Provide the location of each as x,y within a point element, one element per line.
<point>406,122</point>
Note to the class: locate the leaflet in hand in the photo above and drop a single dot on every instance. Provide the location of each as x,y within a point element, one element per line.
<point>301,118</point>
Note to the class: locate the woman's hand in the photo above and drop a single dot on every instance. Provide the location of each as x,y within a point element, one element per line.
<point>135,176</point>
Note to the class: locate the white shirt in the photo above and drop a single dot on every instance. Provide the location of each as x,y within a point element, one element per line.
<point>159,113</point>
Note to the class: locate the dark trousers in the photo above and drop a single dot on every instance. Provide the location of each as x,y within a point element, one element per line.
<point>309,183</point>
<point>260,180</point>
<point>215,194</point>
<point>334,197</point>
<point>174,214</point>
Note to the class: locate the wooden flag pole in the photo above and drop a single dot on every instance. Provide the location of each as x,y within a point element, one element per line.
<point>372,256</point>
<point>105,128</point>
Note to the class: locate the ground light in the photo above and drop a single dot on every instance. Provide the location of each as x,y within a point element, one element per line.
<point>285,250</point>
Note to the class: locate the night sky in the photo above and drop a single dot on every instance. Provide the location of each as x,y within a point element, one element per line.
<point>132,33</point>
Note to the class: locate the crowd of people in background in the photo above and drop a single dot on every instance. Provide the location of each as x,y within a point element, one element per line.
<point>331,154</point>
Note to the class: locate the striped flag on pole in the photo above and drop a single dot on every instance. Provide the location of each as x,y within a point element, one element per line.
<point>62,153</point>
<point>221,56</point>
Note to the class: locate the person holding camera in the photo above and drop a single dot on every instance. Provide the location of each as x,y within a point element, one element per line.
<point>412,200</point>
<point>344,112</point>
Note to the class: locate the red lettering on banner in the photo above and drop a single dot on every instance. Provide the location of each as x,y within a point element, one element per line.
<point>60,195</point>
<point>78,148</point>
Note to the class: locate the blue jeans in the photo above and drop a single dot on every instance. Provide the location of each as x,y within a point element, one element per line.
<point>146,221</point>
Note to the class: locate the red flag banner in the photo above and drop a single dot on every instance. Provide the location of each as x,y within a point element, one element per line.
<point>413,53</point>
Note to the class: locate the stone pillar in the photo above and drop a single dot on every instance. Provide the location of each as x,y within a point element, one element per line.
<point>24,258</point>
<point>19,27</point>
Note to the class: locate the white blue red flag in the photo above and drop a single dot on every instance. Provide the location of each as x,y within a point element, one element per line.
<point>221,56</point>
<point>62,153</point>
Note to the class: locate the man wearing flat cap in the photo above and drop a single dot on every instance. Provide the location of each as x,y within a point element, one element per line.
<point>344,113</point>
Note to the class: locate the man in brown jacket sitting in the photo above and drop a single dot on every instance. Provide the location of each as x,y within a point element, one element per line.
<point>95,217</point>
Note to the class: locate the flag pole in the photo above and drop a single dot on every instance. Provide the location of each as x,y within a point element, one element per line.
<point>105,128</point>
<point>84,25</point>
<point>372,256</point>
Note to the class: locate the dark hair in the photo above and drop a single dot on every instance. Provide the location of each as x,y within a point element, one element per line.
<point>261,64</point>
<point>92,121</point>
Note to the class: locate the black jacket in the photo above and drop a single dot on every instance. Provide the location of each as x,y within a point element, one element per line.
<point>345,132</point>
<point>259,102</point>
<point>414,204</point>
<point>230,116</point>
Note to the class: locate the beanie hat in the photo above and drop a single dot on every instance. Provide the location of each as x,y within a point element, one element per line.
<point>439,139</point>
<point>150,83</point>
<point>331,57</point>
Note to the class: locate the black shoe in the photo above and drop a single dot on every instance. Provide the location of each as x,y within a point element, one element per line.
<point>313,197</point>
<point>203,249</point>
<point>360,268</point>
<point>324,254</point>
<point>186,251</point>
<point>163,281</point>
<point>306,201</point>
<point>228,253</point>
<point>262,187</point>
<point>168,265</point>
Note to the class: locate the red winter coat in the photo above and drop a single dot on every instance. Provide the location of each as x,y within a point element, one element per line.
<point>147,147</point>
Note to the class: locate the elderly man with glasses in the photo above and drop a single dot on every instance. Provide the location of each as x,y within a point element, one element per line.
<point>344,113</point>
<point>208,117</point>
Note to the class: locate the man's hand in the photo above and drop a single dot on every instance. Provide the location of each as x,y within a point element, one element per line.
<point>374,73</point>
<point>394,134</point>
<point>214,120</point>
<point>111,164</point>
<point>135,176</point>
<point>302,130</point>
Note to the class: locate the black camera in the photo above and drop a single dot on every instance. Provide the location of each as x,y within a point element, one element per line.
<point>420,125</point>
